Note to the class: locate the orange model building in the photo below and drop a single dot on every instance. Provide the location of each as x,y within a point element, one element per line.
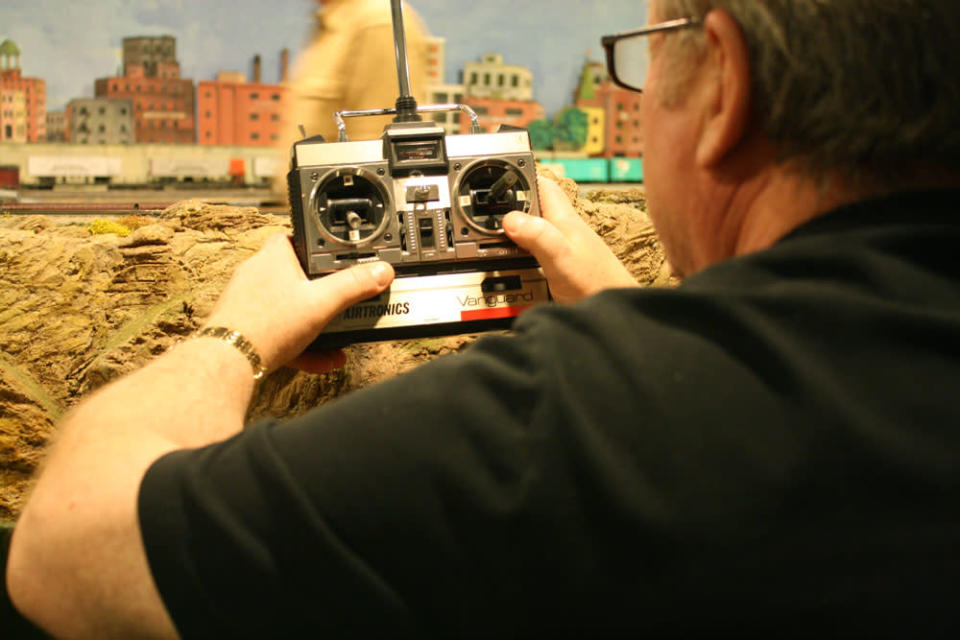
<point>492,112</point>
<point>34,95</point>
<point>232,111</point>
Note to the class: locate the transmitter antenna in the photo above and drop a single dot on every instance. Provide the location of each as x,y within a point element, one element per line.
<point>406,103</point>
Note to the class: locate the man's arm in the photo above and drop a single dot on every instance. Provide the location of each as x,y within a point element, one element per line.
<point>575,260</point>
<point>77,566</point>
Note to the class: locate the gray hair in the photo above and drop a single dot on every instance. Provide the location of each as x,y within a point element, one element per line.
<point>866,88</point>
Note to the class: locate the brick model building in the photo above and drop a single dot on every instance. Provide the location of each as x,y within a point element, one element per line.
<point>56,126</point>
<point>624,128</point>
<point>163,102</point>
<point>232,111</point>
<point>34,92</point>
<point>99,121</point>
<point>436,59</point>
<point>493,112</point>
<point>13,116</point>
<point>491,78</point>
<point>447,94</point>
<point>499,93</point>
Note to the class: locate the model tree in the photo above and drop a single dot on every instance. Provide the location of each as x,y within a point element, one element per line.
<point>542,134</point>
<point>571,126</point>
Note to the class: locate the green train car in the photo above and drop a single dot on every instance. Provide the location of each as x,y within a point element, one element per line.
<point>596,169</point>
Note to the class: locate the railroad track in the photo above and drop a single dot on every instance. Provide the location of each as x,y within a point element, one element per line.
<point>84,208</point>
<point>110,209</point>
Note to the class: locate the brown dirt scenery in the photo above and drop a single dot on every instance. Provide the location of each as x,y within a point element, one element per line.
<point>82,303</point>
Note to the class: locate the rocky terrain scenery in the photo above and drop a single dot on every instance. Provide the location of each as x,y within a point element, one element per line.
<point>83,302</point>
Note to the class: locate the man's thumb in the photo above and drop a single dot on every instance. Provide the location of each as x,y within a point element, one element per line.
<point>536,235</point>
<point>339,290</point>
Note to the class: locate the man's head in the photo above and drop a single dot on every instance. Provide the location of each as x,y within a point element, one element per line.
<point>853,92</point>
<point>850,85</point>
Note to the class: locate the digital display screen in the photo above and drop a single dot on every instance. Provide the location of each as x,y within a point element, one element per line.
<point>419,150</point>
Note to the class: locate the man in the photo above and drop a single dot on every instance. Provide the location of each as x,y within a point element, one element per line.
<point>771,448</point>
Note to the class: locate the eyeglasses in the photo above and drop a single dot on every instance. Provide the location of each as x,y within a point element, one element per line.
<point>628,53</point>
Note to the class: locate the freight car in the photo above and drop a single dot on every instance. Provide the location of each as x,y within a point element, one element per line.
<point>595,169</point>
<point>46,165</point>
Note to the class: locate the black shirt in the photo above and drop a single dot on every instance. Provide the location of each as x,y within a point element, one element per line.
<point>771,448</point>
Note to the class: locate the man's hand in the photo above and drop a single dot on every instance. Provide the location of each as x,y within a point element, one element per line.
<point>77,564</point>
<point>276,307</point>
<point>576,262</point>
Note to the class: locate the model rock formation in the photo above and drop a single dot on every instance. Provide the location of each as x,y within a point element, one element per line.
<point>78,310</point>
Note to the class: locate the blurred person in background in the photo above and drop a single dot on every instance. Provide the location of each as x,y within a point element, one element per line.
<point>350,64</point>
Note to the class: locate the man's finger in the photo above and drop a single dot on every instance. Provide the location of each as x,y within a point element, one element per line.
<point>335,292</point>
<point>554,204</point>
<point>538,236</point>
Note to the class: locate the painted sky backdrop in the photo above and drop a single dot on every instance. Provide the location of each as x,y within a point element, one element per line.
<point>70,43</point>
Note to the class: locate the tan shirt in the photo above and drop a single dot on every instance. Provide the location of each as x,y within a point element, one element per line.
<point>351,64</point>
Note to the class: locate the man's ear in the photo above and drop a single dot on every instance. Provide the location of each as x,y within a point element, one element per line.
<point>727,98</point>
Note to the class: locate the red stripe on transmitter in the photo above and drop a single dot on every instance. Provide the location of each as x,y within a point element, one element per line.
<point>493,313</point>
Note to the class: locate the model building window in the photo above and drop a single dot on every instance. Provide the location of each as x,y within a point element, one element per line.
<point>254,136</point>
<point>275,117</point>
<point>254,116</point>
<point>486,79</point>
<point>275,96</point>
<point>254,96</point>
<point>515,113</point>
<point>102,129</point>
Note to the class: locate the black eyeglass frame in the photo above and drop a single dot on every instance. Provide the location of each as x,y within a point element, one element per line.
<point>610,41</point>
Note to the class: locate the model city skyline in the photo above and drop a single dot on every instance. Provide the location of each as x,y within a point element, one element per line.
<point>149,102</point>
<point>68,43</point>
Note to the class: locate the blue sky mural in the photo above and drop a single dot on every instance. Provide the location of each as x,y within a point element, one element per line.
<point>69,44</point>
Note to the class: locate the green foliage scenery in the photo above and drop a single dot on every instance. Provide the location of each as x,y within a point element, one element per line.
<point>567,132</point>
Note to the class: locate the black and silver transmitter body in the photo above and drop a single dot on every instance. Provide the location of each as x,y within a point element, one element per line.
<point>429,204</point>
